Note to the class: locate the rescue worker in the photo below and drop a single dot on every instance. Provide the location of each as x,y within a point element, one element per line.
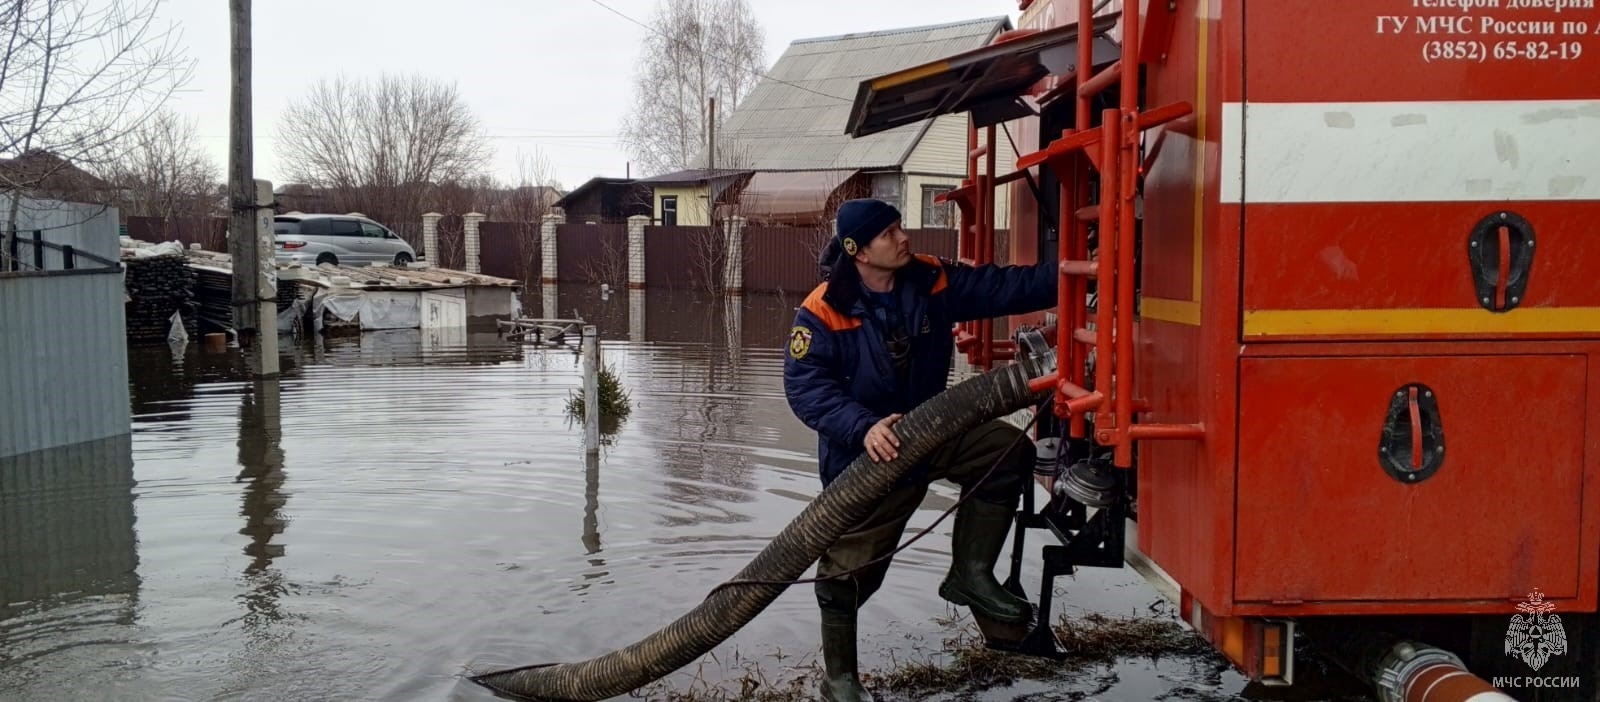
<point>867,346</point>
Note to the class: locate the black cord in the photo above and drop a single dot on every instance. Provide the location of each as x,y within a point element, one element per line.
<point>1038,195</point>
<point>924,532</point>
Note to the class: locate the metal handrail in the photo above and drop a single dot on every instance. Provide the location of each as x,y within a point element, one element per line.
<point>69,254</point>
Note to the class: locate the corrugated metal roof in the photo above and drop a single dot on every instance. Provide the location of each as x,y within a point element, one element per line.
<point>691,176</point>
<point>795,118</point>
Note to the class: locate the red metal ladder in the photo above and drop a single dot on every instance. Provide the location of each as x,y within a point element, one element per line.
<point>975,243</point>
<point>1111,152</point>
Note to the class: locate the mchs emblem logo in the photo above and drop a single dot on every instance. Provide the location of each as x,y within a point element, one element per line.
<point>1536,634</point>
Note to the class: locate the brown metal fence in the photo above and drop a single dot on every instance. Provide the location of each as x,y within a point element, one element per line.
<point>782,258</point>
<point>211,233</point>
<point>510,250</point>
<point>934,242</point>
<point>592,253</point>
<point>684,258</point>
<point>785,258</point>
<point>776,259</point>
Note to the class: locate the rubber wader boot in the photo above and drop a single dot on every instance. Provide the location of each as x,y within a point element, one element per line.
<point>981,531</point>
<point>840,682</point>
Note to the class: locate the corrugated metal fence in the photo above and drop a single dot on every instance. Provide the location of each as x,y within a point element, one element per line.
<point>785,258</point>
<point>775,258</point>
<point>211,233</point>
<point>88,228</point>
<point>684,258</point>
<point>592,253</point>
<point>64,375</point>
<point>510,250</point>
<point>782,258</point>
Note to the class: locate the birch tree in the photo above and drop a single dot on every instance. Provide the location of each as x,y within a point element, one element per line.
<point>700,49</point>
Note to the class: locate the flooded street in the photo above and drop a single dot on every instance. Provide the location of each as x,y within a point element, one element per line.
<point>398,509</point>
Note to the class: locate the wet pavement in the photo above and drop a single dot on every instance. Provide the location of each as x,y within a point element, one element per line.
<point>402,507</point>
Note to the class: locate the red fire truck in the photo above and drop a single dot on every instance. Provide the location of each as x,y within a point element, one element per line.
<point>1330,297</point>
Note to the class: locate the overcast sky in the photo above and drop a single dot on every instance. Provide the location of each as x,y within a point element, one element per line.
<point>556,75</point>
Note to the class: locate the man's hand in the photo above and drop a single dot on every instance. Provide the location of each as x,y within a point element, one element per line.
<point>881,442</point>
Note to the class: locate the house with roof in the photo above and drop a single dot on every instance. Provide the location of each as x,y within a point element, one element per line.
<point>43,174</point>
<point>787,158</point>
<point>603,200</point>
<point>690,198</point>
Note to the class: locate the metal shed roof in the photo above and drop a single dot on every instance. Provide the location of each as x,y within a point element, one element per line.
<point>795,118</point>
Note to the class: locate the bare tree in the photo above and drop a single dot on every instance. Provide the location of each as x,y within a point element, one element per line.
<point>76,76</point>
<point>380,147</point>
<point>526,204</point>
<point>529,197</point>
<point>162,171</point>
<point>610,266</point>
<point>710,243</point>
<point>702,49</point>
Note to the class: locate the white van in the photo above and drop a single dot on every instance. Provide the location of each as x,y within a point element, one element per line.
<point>349,240</point>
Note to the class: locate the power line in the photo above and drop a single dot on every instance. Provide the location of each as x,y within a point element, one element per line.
<point>708,54</point>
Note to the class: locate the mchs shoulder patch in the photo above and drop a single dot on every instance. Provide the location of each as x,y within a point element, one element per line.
<point>799,342</point>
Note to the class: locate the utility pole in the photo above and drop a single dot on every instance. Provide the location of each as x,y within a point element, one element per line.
<point>711,137</point>
<point>254,270</point>
<point>241,188</point>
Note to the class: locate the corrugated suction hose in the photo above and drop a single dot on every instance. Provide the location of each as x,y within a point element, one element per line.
<point>845,502</point>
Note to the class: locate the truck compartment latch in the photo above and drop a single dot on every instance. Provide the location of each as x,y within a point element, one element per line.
<point>1500,251</point>
<point>1411,448</point>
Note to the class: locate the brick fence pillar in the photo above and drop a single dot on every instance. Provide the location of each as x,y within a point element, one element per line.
<point>474,248</point>
<point>547,244</point>
<point>636,226</point>
<point>636,312</point>
<point>430,238</point>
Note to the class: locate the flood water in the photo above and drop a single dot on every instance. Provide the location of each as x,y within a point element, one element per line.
<point>400,508</point>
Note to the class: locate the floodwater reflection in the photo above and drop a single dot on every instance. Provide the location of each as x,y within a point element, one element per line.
<point>400,507</point>
<point>261,463</point>
<point>69,551</point>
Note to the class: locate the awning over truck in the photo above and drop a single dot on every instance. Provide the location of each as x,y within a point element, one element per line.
<point>989,82</point>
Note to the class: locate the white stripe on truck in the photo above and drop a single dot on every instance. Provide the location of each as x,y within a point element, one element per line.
<point>1411,151</point>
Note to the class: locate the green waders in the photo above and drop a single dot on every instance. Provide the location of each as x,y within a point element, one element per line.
<point>982,524</point>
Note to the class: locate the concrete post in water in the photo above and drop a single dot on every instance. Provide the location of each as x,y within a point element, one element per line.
<point>733,267</point>
<point>636,310</point>
<point>548,294</point>
<point>266,283</point>
<point>636,226</point>
<point>591,388</point>
<point>471,220</point>
<point>430,238</point>
<point>547,242</point>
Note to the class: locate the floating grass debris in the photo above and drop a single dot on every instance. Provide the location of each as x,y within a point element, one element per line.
<point>1091,639</point>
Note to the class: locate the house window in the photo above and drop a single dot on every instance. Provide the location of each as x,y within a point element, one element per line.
<point>937,215</point>
<point>669,210</point>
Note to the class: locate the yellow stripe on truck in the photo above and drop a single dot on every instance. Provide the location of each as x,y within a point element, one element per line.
<point>1395,322</point>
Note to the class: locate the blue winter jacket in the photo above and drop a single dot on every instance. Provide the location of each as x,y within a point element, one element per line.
<point>837,372</point>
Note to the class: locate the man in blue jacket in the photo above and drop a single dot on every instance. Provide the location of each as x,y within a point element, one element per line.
<point>867,346</point>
